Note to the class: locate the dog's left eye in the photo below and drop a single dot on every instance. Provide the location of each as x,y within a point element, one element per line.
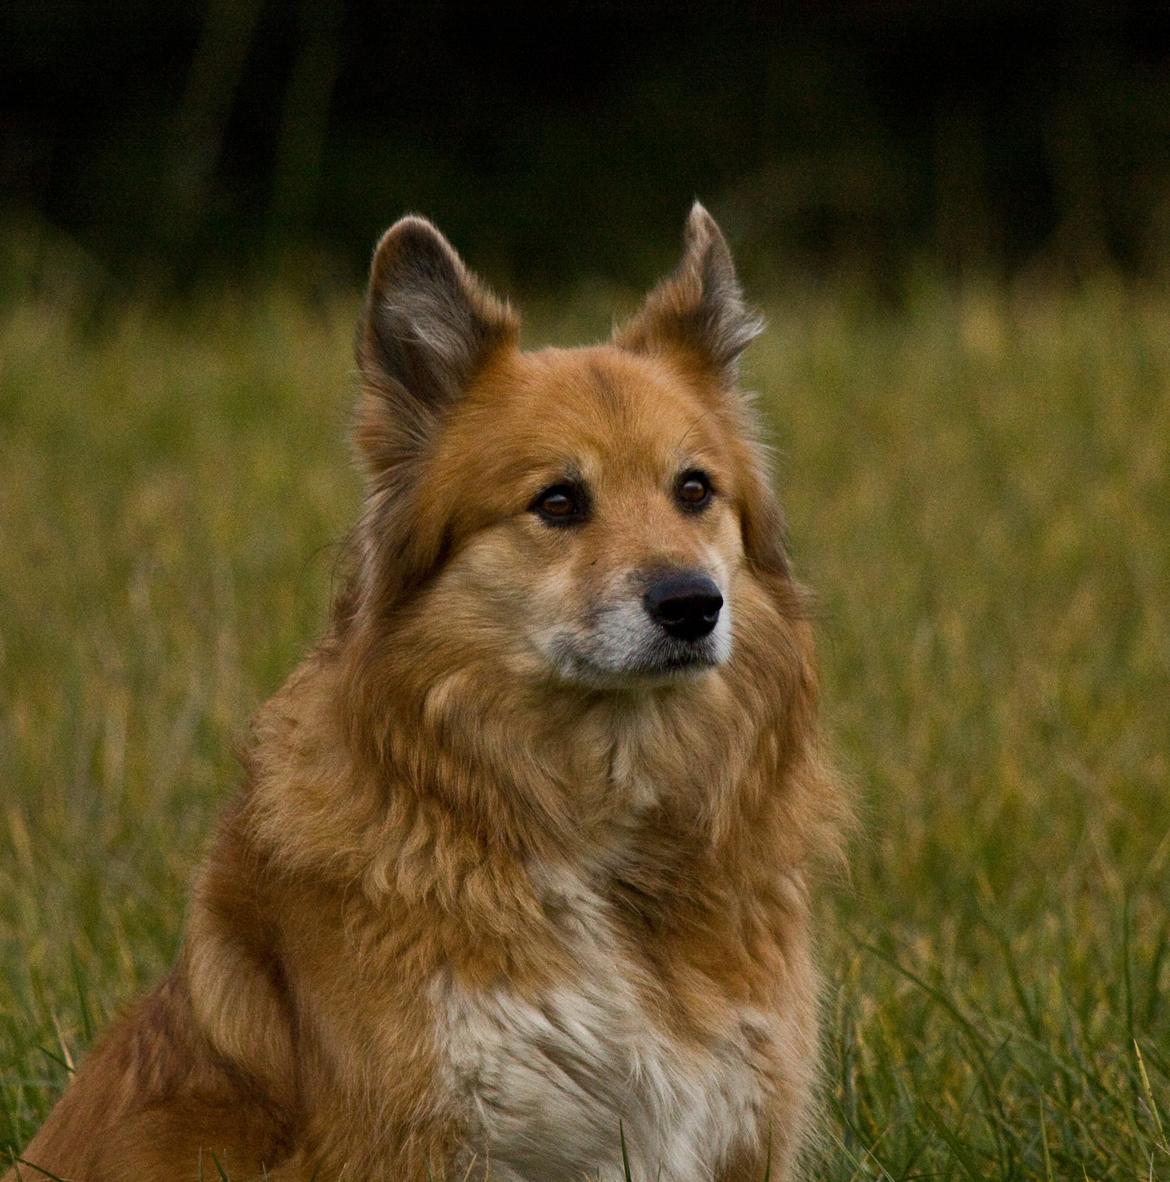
<point>693,490</point>
<point>561,504</point>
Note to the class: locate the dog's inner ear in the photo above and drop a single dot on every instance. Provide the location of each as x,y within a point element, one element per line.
<point>699,309</point>
<point>429,325</point>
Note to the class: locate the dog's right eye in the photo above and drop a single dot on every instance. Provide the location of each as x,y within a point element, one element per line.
<point>561,504</point>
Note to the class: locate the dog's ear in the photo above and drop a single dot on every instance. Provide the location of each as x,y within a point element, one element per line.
<point>699,311</point>
<point>700,308</point>
<point>428,327</point>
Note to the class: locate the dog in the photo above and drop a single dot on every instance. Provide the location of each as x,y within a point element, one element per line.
<point>517,886</point>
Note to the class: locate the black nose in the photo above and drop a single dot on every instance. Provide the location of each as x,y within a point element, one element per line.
<point>685,604</point>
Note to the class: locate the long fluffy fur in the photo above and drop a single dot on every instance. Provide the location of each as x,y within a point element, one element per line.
<point>464,917</point>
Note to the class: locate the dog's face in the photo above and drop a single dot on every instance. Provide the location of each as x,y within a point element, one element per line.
<point>598,532</point>
<point>584,513</point>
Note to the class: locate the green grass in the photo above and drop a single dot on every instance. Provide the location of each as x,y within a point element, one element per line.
<point>978,485</point>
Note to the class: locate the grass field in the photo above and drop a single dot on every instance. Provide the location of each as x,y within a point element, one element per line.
<point>978,484</point>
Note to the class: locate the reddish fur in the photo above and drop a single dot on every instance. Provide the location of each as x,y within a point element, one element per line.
<point>399,786</point>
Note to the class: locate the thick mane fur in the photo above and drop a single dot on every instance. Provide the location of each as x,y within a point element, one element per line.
<point>424,722</point>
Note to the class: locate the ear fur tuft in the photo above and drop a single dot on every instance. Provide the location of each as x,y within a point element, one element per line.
<point>700,307</point>
<point>428,325</point>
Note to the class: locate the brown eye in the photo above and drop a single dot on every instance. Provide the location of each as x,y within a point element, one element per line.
<point>693,490</point>
<point>561,504</point>
<point>557,505</point>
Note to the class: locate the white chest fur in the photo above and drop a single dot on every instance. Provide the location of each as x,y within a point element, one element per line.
<point>542,1083</point>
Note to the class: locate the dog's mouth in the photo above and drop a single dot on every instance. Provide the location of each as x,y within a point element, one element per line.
<point>679,657</point>
<point>661,663</point>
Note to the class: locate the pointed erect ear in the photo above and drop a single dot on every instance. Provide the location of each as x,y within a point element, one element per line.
<point>429,325</point>
<point>698,309</point>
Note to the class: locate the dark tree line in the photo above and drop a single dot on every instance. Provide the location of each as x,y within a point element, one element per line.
<point>555,140</point>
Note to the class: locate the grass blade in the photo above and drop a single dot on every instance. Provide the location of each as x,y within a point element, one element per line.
<point>1151,1103</point>
<point>1044,1143</point>
<point>625,1153</point>
<point>32,1165</point>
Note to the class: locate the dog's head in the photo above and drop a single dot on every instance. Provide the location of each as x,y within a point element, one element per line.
<point>586,514</point>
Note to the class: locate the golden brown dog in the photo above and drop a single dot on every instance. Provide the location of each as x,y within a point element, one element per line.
<point>521,862</point>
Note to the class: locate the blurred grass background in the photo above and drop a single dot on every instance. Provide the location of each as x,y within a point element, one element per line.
<point>978,481</point>
<point>958,220</point>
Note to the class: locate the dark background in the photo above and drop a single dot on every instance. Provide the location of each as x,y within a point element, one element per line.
<point>171,141</point>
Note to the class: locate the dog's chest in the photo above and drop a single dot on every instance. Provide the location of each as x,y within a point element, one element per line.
<point>547,1085</point>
